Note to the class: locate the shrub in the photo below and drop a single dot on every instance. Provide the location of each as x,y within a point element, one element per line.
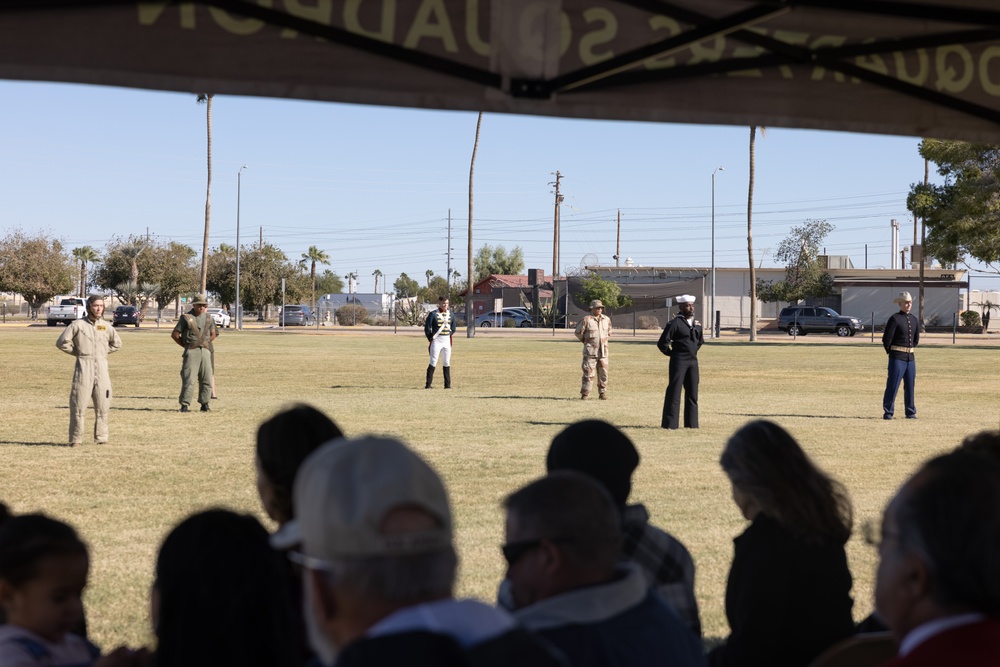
<point>970,318</point>
<point>351,314</point>
<point>380,321</point>
<point>648,322</point>
<point>508,323</point>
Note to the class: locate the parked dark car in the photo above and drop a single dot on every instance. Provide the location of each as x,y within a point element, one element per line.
<point>125,315</point>
<point>299,315</point>
<point>800,320</point>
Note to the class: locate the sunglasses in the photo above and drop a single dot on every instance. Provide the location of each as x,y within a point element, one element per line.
<point>514,551</point>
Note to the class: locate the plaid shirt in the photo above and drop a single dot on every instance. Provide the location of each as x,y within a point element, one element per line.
<point>664,561</point>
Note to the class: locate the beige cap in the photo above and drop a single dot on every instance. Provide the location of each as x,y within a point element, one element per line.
<point>596,303</point>
<point>902,297</point>
<point>200,300</point>
<point>344,490</point>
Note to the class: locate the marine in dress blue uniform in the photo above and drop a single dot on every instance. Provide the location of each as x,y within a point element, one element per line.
<point>681,339</point>
<point>900,338</point>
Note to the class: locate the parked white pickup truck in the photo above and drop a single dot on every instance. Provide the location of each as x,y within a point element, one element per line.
<point>70,308</point>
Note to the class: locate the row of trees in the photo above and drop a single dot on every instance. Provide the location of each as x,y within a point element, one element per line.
<point>146,273</point>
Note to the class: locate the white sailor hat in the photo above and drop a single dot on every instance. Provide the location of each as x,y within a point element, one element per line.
<point>685,298</point>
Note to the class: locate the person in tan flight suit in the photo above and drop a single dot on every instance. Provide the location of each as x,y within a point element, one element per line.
<point>90,340</point>
<point>593,331</point>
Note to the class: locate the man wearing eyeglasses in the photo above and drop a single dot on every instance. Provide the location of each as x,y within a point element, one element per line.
<point>375,529</point>
<point>565,582</point>
<point>937,586</point>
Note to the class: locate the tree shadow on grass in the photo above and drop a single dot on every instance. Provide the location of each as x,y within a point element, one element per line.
<point>762,415</point>
<point>619,426</point>
<point>535,398</point>
<point>33,444</point>
<point>173,409</point>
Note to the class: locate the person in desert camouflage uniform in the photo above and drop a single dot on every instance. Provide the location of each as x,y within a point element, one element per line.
<point>593,331</point>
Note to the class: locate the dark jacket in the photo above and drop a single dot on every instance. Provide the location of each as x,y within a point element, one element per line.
<point>679,340</point>
<point>515,648</point>
<point>787,600</point>
<point>902,330</point>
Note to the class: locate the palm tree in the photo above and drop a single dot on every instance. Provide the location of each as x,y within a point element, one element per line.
<point>131,252</point>
<point>987,306</point>
<point>312,256</point>
<point>350,278</point>
<point>84,255</point>
<point>429,274</point>
<point>206,98</point>
<point>377,274</point>
<point>753,271</point>
<point>470,320</point>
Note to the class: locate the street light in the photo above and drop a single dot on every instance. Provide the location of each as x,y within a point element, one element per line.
<point>239,311</point>
<point>712,313</point>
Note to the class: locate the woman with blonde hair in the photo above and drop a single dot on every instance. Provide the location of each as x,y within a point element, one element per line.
<point>788,594</point>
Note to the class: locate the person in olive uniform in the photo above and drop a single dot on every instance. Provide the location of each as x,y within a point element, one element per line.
<point>439,327</point>
<point>593,331</point>
<point>900,338</point>
<point>195,332</point>
<point>681,339</point>
<point>90,340</point>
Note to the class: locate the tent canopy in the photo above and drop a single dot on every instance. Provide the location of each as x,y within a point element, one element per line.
<point>879,66</point>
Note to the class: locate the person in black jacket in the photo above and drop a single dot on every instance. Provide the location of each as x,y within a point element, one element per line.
<point>681,339</point>
<point>788,594</point>
<point>900,338</point>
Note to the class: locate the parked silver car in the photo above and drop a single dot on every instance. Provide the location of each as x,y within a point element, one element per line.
<point>519,316</point>
<point>298,315</point>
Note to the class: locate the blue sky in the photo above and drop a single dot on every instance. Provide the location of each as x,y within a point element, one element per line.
<point>372,186</point>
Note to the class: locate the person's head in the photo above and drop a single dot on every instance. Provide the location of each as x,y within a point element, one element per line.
<point>283,443</point>
<point>95,306</point>
<point>200,304</point>
<point>443,303</point>
<point>596,307</point>
<point>376,531</point>
<point>770,473</point>
<point>685,304</point>
<point>940,544</point>
<point>220,596</point>
<point>598,449</point>
<point>562,532</point>
<point>43,571</point>
<point>904,301</point>
<point>986,443</point>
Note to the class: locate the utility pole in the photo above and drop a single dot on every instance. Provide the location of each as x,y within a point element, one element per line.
<point>555,235</point>
<point>449,250</point>
<point>618,244</point>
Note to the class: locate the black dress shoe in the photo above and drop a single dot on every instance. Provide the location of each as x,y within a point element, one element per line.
<point>911,416</point>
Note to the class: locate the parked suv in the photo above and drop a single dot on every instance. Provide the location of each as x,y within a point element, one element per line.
<point>297,315</point>
<point>800,320</point>
<point>125,315</point>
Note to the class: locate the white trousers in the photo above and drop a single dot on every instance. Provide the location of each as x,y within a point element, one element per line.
<point>441,346</point>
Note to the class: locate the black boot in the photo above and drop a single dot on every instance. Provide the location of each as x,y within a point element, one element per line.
<point>430,377</point>
<point>447,377</point>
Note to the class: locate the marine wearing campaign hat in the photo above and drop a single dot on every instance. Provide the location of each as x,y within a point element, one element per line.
<point>900,338</point>
<point>681,339</point>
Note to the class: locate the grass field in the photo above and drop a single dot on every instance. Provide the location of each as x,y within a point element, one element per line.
<point>513,392</point>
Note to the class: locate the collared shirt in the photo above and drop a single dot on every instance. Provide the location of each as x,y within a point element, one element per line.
<point>469,622</point>
<point>922,633</point>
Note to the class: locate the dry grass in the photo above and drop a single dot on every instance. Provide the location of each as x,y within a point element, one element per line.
<point>487,436</point>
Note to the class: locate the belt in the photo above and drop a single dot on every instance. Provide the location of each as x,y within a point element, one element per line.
<point>900,348</point>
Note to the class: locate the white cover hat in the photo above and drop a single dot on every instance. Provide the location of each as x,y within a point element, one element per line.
<point>685,298</point>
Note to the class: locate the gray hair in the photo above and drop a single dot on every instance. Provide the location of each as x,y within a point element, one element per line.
<point>399,579</point>
<point>574,508</point>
